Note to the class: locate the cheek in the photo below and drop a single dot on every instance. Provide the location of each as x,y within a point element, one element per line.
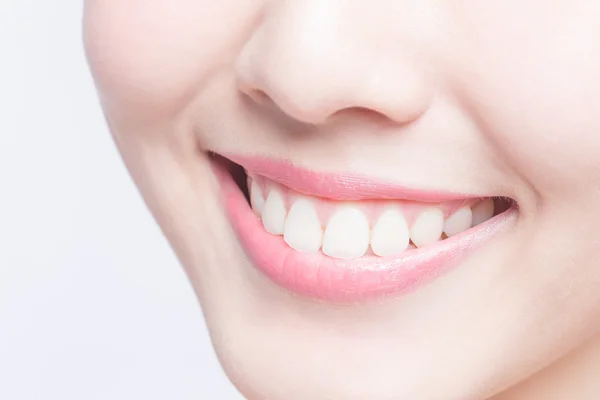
<point>154,55</point>
<point>538,97</point>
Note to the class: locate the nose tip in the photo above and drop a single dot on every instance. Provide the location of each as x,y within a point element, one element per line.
<point>401,96</point>
<point>311,69</point>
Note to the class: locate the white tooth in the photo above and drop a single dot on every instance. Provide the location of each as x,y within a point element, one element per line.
<point>428,227</point>
<point>483,211</point>
<point>256,198</point>
<point>273,216</point>
<point>390,234</point>
<point>347,234</point>
<point>303,230</point>
<point>458,222</point>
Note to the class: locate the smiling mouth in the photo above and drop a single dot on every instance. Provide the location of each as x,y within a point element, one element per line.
<point>349,238</point>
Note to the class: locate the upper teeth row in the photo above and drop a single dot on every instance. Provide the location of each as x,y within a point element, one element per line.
<point>347,233</point>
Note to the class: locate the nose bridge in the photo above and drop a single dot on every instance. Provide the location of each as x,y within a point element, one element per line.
<point>315,58</point>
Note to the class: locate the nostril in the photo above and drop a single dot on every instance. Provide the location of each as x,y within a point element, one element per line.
<point>258,96</point>
<point>247,87</point>
<point>362,113</point>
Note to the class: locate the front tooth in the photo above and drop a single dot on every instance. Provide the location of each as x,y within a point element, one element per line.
<point>273,216</point>
<point>459,222</point>
<point>347,234</point>
<point>483,211</point>
<point>256,198</point>
<point>428,227</point>
<point>303,230</point>
<point>390,235</point>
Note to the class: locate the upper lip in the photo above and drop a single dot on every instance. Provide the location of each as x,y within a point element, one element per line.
<point>337,186</point>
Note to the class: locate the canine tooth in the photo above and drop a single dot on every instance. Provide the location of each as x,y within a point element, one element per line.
<point>274,212</point>
<point>303,230</point>
<point>483,211</point>
<point>256,198</point>
<point>347,234</point>
<point>390,235</point>
<point>428,227</point>
<point>460,221</point>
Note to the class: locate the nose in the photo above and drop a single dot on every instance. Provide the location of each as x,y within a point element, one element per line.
<point>316,58</point>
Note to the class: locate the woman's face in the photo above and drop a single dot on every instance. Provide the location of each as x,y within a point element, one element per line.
<point>367,129</point>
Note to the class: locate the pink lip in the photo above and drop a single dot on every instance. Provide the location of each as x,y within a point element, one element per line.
<point>336,187</point>
<point>325,278</point>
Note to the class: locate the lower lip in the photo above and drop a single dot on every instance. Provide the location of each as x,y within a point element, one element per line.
<point>369,277</point>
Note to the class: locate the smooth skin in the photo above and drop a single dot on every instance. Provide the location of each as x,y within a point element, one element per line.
<point>484,97</point>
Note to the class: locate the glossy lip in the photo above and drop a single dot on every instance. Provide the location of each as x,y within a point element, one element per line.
<point>336,186</point>
<point>329,279</point>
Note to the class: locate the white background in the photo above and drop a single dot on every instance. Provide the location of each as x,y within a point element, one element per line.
<point>93,304</point>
